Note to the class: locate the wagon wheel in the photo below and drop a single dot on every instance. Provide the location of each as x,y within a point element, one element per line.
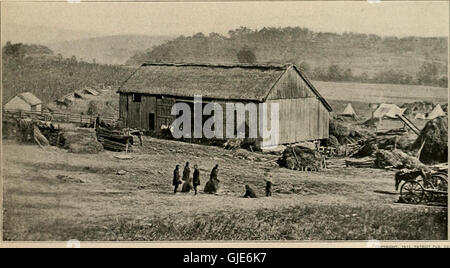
<point>441,182</point>
<point>412,192</point>
<point>436,182</point>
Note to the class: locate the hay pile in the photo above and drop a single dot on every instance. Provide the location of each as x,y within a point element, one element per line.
<point>414,108</point>
<point>339,131</point>
<point>434,138</point>
<point>302,159</point>
<point>370,146</point>
<point>397,159</point>
<point>81,142</point>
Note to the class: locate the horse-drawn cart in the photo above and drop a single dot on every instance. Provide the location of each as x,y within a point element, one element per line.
<point>420,187</point>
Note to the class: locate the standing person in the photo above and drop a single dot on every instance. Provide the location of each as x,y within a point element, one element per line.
<point>186,172</point>
<point>269,184</point>
<point>176,178</point>
<point>196,178</point>
<point>97,121</point>
<point>269,187</point>
<point>187,185</point>
<point>212,185</point>
<point>215,173</point>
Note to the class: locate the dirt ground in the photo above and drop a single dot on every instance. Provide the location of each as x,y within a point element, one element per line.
<point>49,187</point>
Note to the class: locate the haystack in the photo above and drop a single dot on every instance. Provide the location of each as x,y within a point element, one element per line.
<point>333,141</point>
<point>301,158</point>
<point>397,159</point>
<point>433,140</point>
<point>82,142</point>
<point>339,131</point>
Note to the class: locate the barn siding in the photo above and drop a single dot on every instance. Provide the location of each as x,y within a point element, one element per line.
<point>123,109</point>
<point>303,117</point>
<point>301,120</point>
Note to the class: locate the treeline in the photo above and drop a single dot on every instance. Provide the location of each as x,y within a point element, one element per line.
<point>427,75</point>
<point>35,68</point>
<point>330,56</point>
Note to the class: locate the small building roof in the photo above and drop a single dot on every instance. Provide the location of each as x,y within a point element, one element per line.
<point>29,98</point>
<point>226,82</point>
<point>91,91</point>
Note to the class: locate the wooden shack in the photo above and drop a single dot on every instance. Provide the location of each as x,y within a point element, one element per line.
<point>25,101</point>
<point>147,96</point>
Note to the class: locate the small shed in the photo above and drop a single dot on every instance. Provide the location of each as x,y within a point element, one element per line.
<point>25,101</point>
<point>90,91</point>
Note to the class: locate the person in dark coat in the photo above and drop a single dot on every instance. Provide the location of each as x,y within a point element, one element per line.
<point>97,121</point>
<point>176,179</point>
<point>187,185</point>
<point>196,178</point>
<point>268,186</point>
<point>212,185</point>
<point>186,172</point>
<point>249,193</point>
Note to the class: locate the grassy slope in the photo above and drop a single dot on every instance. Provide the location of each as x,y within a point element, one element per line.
<point>49,78</point>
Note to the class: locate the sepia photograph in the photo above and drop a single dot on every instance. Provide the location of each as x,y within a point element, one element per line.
<point>224,122</point>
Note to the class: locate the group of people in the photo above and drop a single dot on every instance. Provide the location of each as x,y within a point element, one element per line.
<point>250,193</point>
<point>189,183</point>
<point>212,186</point>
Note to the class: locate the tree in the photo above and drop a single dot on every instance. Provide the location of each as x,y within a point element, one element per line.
<point>443,81</point>
<point>246,56</point>
<point>305,67</point>
<point>428,73</point>
<point>94,107</point>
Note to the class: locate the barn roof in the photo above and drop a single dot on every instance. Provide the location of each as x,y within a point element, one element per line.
<point>29,98</point>
<point>225,82</point>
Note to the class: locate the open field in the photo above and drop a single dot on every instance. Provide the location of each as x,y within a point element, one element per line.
<point>93,203</point>
<point>379,93</point>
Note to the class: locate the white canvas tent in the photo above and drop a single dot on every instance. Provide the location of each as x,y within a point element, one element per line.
<point>437,112</point>
<point>349,111</point>
<point>388,111</point>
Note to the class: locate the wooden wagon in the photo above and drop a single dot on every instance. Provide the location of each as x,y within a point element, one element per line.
<point>423,188</point>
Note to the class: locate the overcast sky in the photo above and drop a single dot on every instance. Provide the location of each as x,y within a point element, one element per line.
<point>394,18</point>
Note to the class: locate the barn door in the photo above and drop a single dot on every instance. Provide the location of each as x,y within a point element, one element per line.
<point>163,117</point>
<point>151,121</point>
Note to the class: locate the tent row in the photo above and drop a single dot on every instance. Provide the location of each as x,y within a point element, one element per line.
<point>391,111</point>
<point>78,94</point>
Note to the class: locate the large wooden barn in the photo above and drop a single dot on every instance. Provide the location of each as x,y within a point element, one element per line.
<point>147,96</point>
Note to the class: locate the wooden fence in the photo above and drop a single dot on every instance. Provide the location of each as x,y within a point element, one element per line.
<point>55,117</point>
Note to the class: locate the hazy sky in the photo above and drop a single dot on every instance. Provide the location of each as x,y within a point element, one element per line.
<point>394,18</point>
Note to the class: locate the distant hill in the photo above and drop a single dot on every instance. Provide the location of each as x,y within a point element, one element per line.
<point>115,49</point>
<point>36,69</point>
<point>17,33</point>
<point>324,56</point>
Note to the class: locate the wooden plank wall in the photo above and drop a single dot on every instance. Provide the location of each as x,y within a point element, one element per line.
<point>303,117</point>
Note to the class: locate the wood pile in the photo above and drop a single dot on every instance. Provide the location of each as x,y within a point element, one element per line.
<point>114,140</point>
<point>301,158</point>
<point>113,145</point>
<point>392,132</point>
<point>366,162</point>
